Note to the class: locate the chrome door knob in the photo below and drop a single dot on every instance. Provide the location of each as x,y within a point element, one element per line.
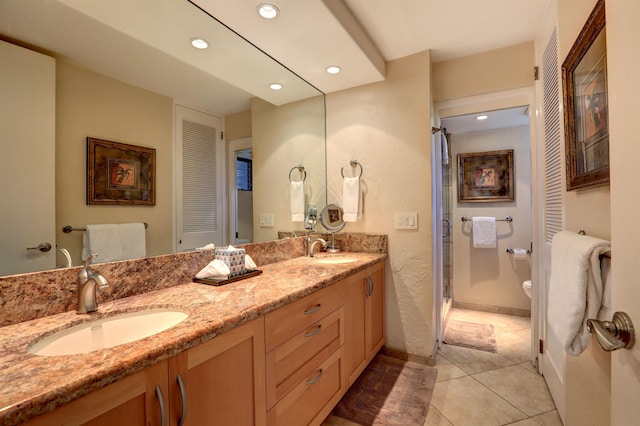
<point>615,334</point>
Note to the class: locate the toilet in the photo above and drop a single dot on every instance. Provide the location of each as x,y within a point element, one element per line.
<point>526,287</point>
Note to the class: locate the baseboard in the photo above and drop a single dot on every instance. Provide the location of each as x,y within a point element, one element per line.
<point>493,309</point>
<point>405,356</point>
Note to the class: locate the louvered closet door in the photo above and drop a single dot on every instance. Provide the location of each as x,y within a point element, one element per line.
<point>199,179</point>
<point>553,361</point>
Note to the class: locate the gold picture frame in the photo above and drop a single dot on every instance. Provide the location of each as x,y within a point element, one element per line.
<point>586,120</point>
<point>120,174</point>
<point>486,176</point>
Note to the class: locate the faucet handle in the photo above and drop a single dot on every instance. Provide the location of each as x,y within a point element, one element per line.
<point>87,261</point>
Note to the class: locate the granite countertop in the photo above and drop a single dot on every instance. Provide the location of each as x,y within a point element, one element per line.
<point>31,385</point>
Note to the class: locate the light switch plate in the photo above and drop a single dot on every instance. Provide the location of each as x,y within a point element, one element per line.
<point>404,220</point>
<point>266,220</point>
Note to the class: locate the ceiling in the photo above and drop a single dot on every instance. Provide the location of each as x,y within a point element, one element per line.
<point>496,119</point>
<point>307,36</point>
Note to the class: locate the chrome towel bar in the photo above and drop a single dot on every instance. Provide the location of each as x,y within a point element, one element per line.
<point>68,229</point>
<point>506,219</point>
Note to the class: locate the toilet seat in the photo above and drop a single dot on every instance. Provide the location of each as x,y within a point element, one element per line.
<point>526,287</point>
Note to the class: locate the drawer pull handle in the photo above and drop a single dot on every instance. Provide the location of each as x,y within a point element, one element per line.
<point>313,310</point>
<point>313,332</point>
<point>315,379</point>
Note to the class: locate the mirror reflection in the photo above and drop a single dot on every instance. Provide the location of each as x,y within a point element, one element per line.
<point>132,77</point>
<point>332,220</point>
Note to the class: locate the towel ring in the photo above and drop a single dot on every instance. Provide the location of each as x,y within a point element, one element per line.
<point>301,170</point>
<point>354,163</point>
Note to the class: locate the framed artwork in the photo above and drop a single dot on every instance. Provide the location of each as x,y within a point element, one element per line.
<point>485,176</point>
<point>120,174</point>
<point>586,115</point>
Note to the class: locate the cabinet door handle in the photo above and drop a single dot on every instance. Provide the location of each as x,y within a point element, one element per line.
<point>315,379</point>
<point>313,332</point>
<point>370,286</point>
<point>163,411</point>
<point>185,405</point>
<point>313,310</point>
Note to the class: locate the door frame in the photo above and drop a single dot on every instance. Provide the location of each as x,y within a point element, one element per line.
<point>233,147</point>
<point>482,103</point>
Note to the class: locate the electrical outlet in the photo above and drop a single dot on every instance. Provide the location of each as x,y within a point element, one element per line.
<point>266,220</point>
<point>406,220</point>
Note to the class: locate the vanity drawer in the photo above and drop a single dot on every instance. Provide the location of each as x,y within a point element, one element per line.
<point>298,357</point>
<point>284,323</point>
<point>313,398</point>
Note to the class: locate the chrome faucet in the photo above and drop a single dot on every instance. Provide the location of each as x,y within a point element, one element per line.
<point>313,245</point>
<point>87,281</point>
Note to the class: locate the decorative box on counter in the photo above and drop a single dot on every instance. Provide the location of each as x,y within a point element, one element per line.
<point>233,258</point>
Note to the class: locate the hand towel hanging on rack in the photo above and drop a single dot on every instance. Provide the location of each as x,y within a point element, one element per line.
<point>297,201</point>
<point>484,232</point>
<point>351,199</point>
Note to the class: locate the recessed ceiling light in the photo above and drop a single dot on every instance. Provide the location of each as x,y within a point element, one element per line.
<point>482,117</point>
<point>333,69</point>
<point>275,86</point>
<point>268,11</point>
<point>199,43</point>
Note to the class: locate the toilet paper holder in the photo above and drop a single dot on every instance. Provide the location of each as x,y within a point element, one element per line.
<point>512,251</point>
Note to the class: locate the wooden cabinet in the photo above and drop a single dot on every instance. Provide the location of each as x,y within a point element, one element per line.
<point>304,363</point>
<point>134,400</point>
<point>221,381</point>
<point>364,319</point>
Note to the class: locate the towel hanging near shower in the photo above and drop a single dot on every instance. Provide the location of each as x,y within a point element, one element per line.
<point>445,146</point>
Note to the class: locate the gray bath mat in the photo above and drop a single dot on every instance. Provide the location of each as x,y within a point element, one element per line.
<point>471,335</point>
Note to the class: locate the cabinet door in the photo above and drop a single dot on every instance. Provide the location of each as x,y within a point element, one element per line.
<point>132,401</point>
<point>375,330</point>
<point>354,319</point>
<point>222,380</point>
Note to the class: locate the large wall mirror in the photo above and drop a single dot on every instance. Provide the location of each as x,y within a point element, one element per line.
<point>120,68</point>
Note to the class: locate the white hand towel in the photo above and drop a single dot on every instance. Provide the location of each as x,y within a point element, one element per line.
<point>104,240</point>
<point>484,232</point>
<point>576,288</point>
<point>209,246</point>
<point>216,269</point>
<point>351,199</point>
<point>297,201</point>
<point>133,240</point>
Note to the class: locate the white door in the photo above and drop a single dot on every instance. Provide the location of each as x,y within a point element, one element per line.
<point>27,151</point>
<point>623,61</point>
<point>240,208</point>
<point>199,179</point>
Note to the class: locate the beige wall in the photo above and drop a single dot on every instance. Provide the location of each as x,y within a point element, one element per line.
<point>491,277</point>
<point>89,104</point>
<point>588,376</point>
<point>386,127</point>
<point>284,137</point>
<point>501,69</point>
<point>237,126</point>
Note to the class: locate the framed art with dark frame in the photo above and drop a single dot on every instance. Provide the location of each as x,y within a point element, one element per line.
<point>120,174</point>
<point>485,176</point>
<point>586,115</point>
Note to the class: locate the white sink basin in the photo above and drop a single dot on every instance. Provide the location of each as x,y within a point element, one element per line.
<point>107,332</point>
<point>335,260</point>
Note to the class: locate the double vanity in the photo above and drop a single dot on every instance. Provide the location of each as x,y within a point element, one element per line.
<point>279,348</point>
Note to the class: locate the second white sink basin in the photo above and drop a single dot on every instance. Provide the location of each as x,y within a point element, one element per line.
<point>107,332</point>
<point>335,260</point>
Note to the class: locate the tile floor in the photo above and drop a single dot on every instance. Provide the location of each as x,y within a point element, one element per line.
<point>483,388</point>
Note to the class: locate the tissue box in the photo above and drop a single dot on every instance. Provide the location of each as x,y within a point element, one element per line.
<point>233,258</point>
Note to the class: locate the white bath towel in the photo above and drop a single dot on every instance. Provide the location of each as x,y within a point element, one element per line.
<point>133,240</point>
<point>484,232</point>
<point>351,199</point>
<point>297,201</point>
<point>216,269</point>
<point>576,288</point>
<point>102,239</point>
